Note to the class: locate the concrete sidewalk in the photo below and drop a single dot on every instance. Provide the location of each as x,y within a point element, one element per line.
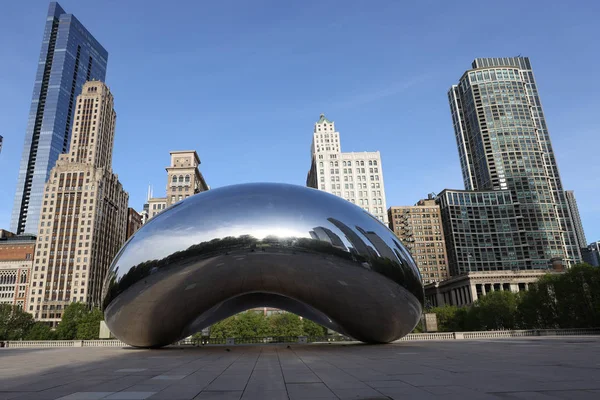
<point>524,368</point>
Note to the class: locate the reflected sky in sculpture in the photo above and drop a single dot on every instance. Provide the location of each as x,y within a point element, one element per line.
<point>233,248</point>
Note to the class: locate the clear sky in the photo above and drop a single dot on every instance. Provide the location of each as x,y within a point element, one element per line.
<point>243,82</point>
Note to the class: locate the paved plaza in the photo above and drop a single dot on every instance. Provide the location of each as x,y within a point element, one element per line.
<point>524,368</point>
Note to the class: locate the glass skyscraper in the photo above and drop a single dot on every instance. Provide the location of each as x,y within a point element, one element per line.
<point>69,57</point>
<point>504,145</point>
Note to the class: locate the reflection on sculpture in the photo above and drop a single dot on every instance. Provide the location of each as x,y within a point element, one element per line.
<point>230,249</point>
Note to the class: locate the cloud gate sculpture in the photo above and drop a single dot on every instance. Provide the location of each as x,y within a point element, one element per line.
<point>226,250</point>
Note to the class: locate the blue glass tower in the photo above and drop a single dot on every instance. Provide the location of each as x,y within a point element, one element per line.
<point>69,57</point>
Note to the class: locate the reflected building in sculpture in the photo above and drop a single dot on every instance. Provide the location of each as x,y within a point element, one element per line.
<point>262,245</point>
<point>356,176</point>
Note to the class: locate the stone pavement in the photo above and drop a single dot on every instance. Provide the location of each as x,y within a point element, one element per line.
<point>523,368</point>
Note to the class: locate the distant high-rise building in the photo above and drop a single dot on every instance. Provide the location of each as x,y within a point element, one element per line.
<point>591,254</point>
<point>69,57</point>
<point>576,218</point>
<point>420,229</point>
<point>134,222</point>
<point>16,262</point>
<point>504,145</point>
<point>184,179</point>
<point>356,177</point>
<point>84,212</point>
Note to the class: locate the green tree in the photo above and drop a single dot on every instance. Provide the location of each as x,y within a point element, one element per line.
<point>311,328</point>
<point>569,300</point>
<point>285,324</point>
<point>14,322</point>
<point>537,306</point>
<point>40,331</point>
<point>494,311</point>
<point>75,314</point>
<point>251,324</point>
<point>577,295</point>
<point>450,318</point>
<point>88,328</point>
<point>223,329</point>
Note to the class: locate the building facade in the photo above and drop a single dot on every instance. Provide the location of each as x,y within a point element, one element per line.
<point>134,222</point>
<point>576,218</point>
<point>156,205</point>
<point>184,179</point>
<point>483,231</point>
<point>84,213</point>
<point>420,229</point>
<point>465,289</point>
<point>591,254</point>
<point>69,57</point>
<point>16,262</point>
<point>356,177</point>
<point>504,145</point>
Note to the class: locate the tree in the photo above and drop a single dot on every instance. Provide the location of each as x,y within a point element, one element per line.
<point>569,300</point>
<point>311,328</point>
<point>494,311</point>
<point>251,324</point>
<point>76,315</point>
<point>88,327</point>
<point>285,324</point>
<point>14,322</point>
<point>223,329</point>
<point>40,331</point>
<point>450,318</point>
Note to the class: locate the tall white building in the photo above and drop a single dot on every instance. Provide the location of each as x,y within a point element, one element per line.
<point>356,177</point>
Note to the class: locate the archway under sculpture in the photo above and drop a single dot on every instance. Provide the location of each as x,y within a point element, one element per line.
<point>230,249</point>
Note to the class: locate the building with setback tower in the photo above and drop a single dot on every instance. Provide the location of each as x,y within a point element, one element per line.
<point>69,57</point>
<point>84,213</point>
<point>356,177</point>
<point>184,179</point>
<point>504,145</point>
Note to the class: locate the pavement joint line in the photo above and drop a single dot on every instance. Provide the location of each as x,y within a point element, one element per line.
<point>317,375</point>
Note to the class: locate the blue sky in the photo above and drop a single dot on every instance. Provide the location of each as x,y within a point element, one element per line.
<point>242,82</point>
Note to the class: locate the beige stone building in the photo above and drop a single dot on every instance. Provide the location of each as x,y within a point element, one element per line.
<point>419,227</point>
<point>16,262</point>
<point>356,176</point>
<point>84,213</point>
<point>466,288</point>
<point>184,179</point>
<point>156,205</point>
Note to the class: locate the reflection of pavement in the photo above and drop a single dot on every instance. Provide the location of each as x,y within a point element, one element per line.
<point>368,305</point>
<point>502,369</point>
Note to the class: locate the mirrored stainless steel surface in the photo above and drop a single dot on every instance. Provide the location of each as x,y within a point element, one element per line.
<point>226,250</point>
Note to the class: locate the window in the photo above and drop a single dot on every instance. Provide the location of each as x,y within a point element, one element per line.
<point>187,179</point>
